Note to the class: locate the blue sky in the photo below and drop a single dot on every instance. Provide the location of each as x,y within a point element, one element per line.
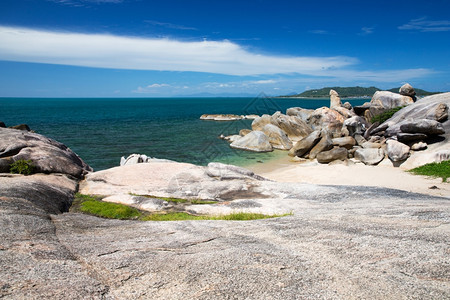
<point>138,48</point>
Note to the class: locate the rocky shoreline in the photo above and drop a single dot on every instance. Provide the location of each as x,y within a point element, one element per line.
<point>340,241</point>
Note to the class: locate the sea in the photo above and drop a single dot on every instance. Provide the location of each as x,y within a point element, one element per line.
<point>102,130</point>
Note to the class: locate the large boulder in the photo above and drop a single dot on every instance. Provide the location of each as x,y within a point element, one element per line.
<point>324,144</point>
<point>346,142</point>
<point>397,151</point>
<point>369,156</point>
<point>255,141</point>
<point>388,100</point>
<point>335,100</point>
<point>332,155</point>
<point>47,155</point>
<point>328,120</point>
<point>356,125</point>
<point>260,122</point>
<point>304,145</point>
<point>277,137</point>
<point>430,127</point>
<point>407,90</point>
<point>294,126</point>
<point>302,113</point>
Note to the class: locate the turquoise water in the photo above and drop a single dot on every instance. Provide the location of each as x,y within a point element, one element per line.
<point>102,130</point>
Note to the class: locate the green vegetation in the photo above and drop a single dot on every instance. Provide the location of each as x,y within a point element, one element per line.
<point>441,170</point>
<point>386,115</point>
<point>93,205</point>
<point>346,92</point>
<point>21,166</point>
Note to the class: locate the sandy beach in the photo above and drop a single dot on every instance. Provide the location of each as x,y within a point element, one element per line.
<point>284,170</point>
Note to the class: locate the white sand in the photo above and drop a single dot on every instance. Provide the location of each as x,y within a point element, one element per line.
<point>358,174</point>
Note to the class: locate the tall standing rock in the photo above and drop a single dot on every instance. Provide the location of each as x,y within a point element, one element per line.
<point>335,100</point>
<point>407,90</point>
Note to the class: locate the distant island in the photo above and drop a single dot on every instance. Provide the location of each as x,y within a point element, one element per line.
<point>349,92</point>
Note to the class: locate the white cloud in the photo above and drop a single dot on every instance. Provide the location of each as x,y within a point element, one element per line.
<point>151,88</point>
<point>118,52</point>
<point>169,25</point>
<point>424,25</point>
<point>366,30</point>
<point>268,81</point>
<point>318,31</point>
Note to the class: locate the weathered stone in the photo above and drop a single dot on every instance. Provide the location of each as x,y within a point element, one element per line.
<point>347,105</point>
<point>407,90</point>
<point>324,144</point>
<point>23,127</point>
<point>331,155</point>
<point>346,113</point>
<point>388,100</point>
<point>47,155</point>
<point>335,100</point>
<point>360,140</point>
<point>293,126</point>
<point>419,146</point>
<point>302,113</point>
<point>409,137</point>
<point>430,127</point>
<point>255,141</point>
<point>2,125</point>
<point>244,132</point>
<point>397,151</point>
<point>277,137</point>
<point>304,145</point>
<point>260,122</point>
<point>347,142</point>
<point>327,120</point>
<point>229,172</point>
<point>356,125</point>
<point>368,145</point>
<point>369,156</point>
<point>440,113</point>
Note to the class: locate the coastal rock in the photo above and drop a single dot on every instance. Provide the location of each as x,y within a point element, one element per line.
<point>302,113</point>
<point>419,146</point>
<point>410,137</point>
<point>2,125</point>
<point>23,127</point>
<point>277,137</point>
<point>388,100</point>
<point>440,113</point>
<point>368,145</point>
<point>244,132</point>
<point>360,140</point>
<point>294,127</point>
<point>251,117</point>
<point>332,155</point>
<point>304,145</point>
<point>430,127</point>
<point>47,155</point>
<point>255,141</point>
<point>407,90</point>
<point>347,105</point>
<point>141,158</point>
<point>356,125</point>
<point>346,113</point>
<point>324,144</point>
<point>335,100</point>
<point>221,117</point>
<point>260,122</point>
<point>232,138</point>
<point>328,120</point>
<point>346,142</point>
<point>229,172</point>
<point>397,151</point>
<point>369,156</point>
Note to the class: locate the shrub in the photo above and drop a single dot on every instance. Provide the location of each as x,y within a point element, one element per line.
<point>441,170</point>
<point>21,166</point>
<point>386,115</point>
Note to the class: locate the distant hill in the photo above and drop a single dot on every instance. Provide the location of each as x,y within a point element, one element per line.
<point>346,92</point>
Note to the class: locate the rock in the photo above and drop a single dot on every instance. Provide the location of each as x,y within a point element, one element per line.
<point>302,113</point>
<point>293,126</point>
<point>440,113</point>
<point>132,159</point>
<point>356,125</point>
<point>2,125</point>
<point>255,141</point>
<point>347,142</point>
<point>47,155</point>
<point>409,137</point>
<point>328,120</point>
<point>232,138</point>
<point>221,117</point>
<point>347,105</point>
<point>304,145</point>
<point>388,100</point>
<point>419,146</point>
<point>4,165</point>
<point>397,151</point>
<point>369,156</point>
<point>331,155</point>
<point>260,122</point>
<point>244,132</point>
<point>277,137</point>
<point>346,113</point>
<point>407,90</point>
<point>324,144</point>
<point>360,109</point>
<point>359,139</point>
<point>23,127</point>
<point>229,172</point>
<point>368,145</point>
<point>430,127</point>
<point>251,117</point>
<point>335,100</point>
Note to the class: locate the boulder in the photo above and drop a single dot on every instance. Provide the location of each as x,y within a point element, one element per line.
<point>294,126</point>
<point>302,113</point>
<point>430,127</point>
<point>369,156</point>
<point>440,113</point>
<point>388,100</point>
<point>346,142</point>
<point>346,113</point>
<point>243,132</point>
<point>328,120</point>
<point>251,117</point>
<point>332,155</point>
<point>277,137</point>
<point>397,151</point>
<point>47,155</point>
<point>356,125</point>
<point>407,90</point>
<point>347,105</point>
<point>324,144</point>
<point>229,172</point>
<point>419,146</point>
<point>23,127</point>
<point>2,125</point>
<point>368,145</point>
<point>335,100</point>
<point>255,141</point>
<point>260,122</point>
<point>410,137</point>
<point>304,145</point>
<point>232,138</point>
<point>360,140</point>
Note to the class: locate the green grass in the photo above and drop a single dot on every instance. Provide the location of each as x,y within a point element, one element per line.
<point>441,170</point>
<point>93,205</point>
<point>22,166</point>
<point>386,115</point>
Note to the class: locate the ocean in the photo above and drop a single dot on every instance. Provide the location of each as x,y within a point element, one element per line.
<point>102,130</point>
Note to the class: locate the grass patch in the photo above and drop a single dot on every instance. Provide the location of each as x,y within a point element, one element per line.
<point>386,115</point>
<point>22,166</point>
<point>93,205</point>
<point>182,216</point>
<point>441,170</point>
